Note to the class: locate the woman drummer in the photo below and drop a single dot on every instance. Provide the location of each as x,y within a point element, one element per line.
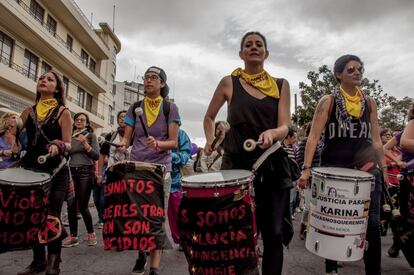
<point>265,116</point>
<point>49,125</point>
<point>352,140</point>
<point>162,129</point>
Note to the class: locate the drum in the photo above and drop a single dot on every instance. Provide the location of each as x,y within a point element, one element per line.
<point>23,207</point>
<point>217,223</point>
<point>338,217</point>
<point>134,207</point>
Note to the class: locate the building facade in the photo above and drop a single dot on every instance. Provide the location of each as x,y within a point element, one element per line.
<point>126,93</point>
<point>39,35</point>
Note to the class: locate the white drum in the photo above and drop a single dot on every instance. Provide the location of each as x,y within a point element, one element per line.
<point>338,217</point>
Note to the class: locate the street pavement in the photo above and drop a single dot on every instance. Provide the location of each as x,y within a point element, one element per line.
<point>87,260</point>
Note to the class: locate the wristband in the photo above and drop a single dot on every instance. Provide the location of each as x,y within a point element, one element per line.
<point>60,145</point>
<point>306,167</point>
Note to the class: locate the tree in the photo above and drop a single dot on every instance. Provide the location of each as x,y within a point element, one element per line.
<point>394,116</point>
<point>322,83</point>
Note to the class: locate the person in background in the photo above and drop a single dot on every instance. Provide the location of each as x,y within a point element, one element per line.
<point>9,142</point>
<point>289,145</point>
<point>180,157</point>
<point>315,163</point>
<point>108,156</point>
<point>212,162</point>
<point>84,152</point>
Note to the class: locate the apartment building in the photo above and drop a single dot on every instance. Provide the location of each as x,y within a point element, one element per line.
<point>126,93</point>
<point>39,35</point>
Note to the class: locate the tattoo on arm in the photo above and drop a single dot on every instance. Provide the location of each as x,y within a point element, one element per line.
<point>321,108</point>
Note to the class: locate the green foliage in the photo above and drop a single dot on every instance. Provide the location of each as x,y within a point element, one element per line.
<point>322,82</point>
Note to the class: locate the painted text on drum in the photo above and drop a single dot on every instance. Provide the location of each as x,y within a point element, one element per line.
<point>210,218</point>
<point>132,185</point>
<point>12,200</point>
<point>131,210</point>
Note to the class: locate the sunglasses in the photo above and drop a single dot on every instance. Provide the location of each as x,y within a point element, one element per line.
<point>352,69</point>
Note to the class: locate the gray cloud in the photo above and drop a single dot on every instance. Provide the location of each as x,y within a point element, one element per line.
<point>197,42</point>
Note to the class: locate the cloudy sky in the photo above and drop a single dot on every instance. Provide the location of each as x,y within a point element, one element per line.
<point>197,42</point>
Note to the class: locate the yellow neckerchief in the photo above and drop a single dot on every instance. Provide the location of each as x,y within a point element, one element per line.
<point>44,106</point>
<point>152,109</point>
<point>352,103</point>
<point>263,81</point>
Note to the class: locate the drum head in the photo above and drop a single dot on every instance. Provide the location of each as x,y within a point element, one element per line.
<point>22,177</point>
<point>219,178</point>
<point>342,173</point>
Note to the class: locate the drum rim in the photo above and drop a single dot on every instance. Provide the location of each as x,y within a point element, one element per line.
<point>222,183</point>
<point>369,177</point>
<point>162,166</point>
<point>47,179</point>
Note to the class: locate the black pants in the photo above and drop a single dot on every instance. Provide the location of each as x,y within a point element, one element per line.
<point>56,198</point>
<point>83,178</point>
<point>372,257</point>
<point>271,205</point>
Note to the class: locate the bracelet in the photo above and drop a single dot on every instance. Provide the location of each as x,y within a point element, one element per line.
<point>306,167</point>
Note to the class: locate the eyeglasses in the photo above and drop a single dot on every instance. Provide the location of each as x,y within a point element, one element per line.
<point>352,69</point>
<point>150,77</point>
<point>80,119</point>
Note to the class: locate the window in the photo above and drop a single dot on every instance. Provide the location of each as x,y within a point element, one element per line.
<point>45,67</point>
<point>92,65</point>
<point>6,46</point>
<point>66,85</point>
<point>30,64</point>
<point>113,84</point>
<point>110,116</point>
<point>84,57</point>
<point>51,25</point>
<point>69,42</point>
<point>89,100</point>
<point>81,97</point>
<point>130,96</point>
<point>37,11</point>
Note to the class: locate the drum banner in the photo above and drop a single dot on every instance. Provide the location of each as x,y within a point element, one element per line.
<point>218,236</point>
<point>23,211</point>
<point>134,208</point>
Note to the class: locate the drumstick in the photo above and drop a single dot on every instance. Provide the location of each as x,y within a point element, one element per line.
<point>225,129</point>
<point>102,140</point>
<point>42,159</point>
<point>250,144</point>
<point>81,132</point>
<point>138,113</point>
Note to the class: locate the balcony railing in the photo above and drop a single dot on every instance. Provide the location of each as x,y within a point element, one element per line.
<point>93,111</point>
<point>57,37</point>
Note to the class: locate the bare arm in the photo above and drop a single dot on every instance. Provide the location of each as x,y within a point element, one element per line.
<point>319,121</point>
<point>221,95</point>
<point>375,132</point>
<point>172,140</point>
<point>65,122</point>
<point>387,150</point>
<point>407,138</point>
<point>25,115</point>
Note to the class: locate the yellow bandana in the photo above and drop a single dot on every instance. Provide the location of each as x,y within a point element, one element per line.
<point>152,109</point>
<point>352,103</point>
<point>263,81</point>
<point>43,107</point>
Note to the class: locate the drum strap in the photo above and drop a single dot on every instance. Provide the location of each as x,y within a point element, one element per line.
<point>265,155</point>
<point>61,164</point>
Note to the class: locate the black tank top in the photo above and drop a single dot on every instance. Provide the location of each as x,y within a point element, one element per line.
<point>248,118</point>
<point>350,146</point>
<point>38,146</point>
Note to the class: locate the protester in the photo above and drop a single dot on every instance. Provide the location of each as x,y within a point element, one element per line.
<point>162,127</point>
<point>180,157</point>
<point>9,141</point>
<point>48,125</point>
<point>258,109</point>
<point>345,109</point>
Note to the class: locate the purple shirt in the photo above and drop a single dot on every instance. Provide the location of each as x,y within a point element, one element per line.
<point>5,162</point>
<point>159,130</point>
<point>405,155</point>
